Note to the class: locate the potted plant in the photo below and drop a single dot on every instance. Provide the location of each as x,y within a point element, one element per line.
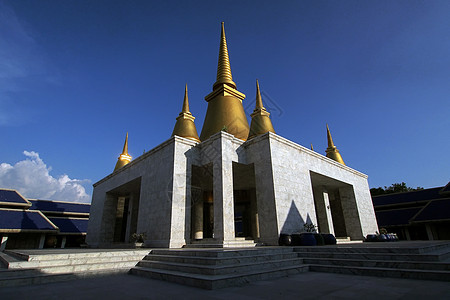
<point>307,237</point>
<point>139,239</point>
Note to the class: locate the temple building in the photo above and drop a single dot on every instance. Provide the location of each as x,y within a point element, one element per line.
<point>234,185</point>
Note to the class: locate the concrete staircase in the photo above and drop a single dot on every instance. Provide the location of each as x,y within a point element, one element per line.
<point>222,267</point>
<point>238,242</point>
<point>405,261</point>
<point>218,268</point>
<point>24,267</point>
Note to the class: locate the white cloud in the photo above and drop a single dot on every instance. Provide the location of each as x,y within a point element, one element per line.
<point>31,177</point>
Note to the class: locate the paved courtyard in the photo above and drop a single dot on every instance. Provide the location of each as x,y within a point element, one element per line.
<point>310,285</point>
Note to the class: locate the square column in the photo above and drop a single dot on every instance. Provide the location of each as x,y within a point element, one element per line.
<point>223,201</point>
<point>223,188</point>
<point>324,217</point>
<point>4,241</point>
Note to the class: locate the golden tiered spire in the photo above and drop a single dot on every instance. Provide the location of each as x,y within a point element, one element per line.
<point>225,108</point>
<point>185,126</point>
<point>332,151</point>
<point>124,158</point>
<point>260,117</point>
<point>223,66</point>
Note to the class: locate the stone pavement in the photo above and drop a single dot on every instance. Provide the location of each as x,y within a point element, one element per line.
<point>310,285</point>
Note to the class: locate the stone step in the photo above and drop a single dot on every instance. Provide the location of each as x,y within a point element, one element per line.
<point>383,272</point>
<point>223,252</point>
<point>372,256</point>
<point>198,260</point>
<point>217,281</point>
<point>39,278</point>
<point>60,254</point>
<point>374,249</point>
<point>76,268</point>
<point>418,265</point>
<point>394,247</point>
<point>220,269</point>
<point>73,261</point>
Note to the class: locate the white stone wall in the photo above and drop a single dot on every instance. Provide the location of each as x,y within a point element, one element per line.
<point>292,164</point>
<point>162,203</point>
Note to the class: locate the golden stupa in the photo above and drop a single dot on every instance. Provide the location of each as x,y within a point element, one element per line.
<point>225,110</point>
<point>332,151</point>
<point>260,117</point>
<point>124,158</point>
<point>185,126</point>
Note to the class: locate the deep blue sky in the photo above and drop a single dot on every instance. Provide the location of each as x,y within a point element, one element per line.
<point>75,76</point>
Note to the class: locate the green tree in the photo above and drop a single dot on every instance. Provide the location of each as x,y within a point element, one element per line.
<point>394,188</point>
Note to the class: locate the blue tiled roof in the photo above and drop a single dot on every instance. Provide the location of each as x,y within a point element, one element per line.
<point>12,197</point>
<point>67,225</point>
<point>396,217</point>
<point>437,210</point>
<point>55,206</point>
<point>23,220</point>
<point>408,197</point>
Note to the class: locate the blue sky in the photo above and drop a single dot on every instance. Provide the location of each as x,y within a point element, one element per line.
<point>75,76</point>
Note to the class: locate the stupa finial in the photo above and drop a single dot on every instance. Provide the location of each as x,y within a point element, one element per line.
<point>124,158</point>
<point>332,152</point>
<point>223,66</point>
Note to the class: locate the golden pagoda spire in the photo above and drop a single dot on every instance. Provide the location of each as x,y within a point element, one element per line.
<point>260,117</point>
<point>225,108</point>
<point>124,158</point>
<point>223,66</point>
<point>332,151</point>
<point>185,126</point>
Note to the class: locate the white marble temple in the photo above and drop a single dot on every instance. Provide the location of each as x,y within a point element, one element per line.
<point>290,185</point>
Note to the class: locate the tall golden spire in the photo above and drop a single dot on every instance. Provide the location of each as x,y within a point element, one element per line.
<point>185,126</point>
<point>223,66</point>
<point>332,151</point>
<point>260,117</point>
<point>124,158</point>
<point>225,108</point>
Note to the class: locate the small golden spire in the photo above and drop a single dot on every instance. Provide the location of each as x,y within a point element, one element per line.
<point>332,151</point>
<point>312,148</point>
<point>223,67</point>
<point>185,101</point>
<point>185,126</point>
<point>124,158</point>
<point>259,103</point>
<point>260,117</point>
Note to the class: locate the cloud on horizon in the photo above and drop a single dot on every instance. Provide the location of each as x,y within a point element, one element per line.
<point>31,177</point>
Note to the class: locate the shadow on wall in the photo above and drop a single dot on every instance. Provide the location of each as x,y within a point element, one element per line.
<point>294,221</point>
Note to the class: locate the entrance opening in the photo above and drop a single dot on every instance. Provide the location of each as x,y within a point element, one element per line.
<point>202,202</point>
<point>126,205</point>
<point>245,208</point>
<point>336,207</point>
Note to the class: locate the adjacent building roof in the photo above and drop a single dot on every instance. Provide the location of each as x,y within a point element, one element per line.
<point>71,225</point>
<point>18,214</point>
<point>400,209</point>
<point>60,206</point>
<point>407,197</point>
<point>437,210</point>
<point>396,217</point>
<point>12,220</point>
<point>12,198</point>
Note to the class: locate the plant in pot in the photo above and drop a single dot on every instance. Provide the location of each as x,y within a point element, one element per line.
<point>139,238</point>
<point>307,237</point>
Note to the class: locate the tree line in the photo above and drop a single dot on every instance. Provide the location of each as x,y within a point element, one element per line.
<point>394,188</point>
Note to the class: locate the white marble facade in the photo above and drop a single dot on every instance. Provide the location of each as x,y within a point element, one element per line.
<point>282,186</point>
